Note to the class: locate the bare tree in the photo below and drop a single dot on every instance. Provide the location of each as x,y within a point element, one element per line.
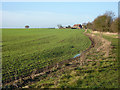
<point>60,26</point>
<point>110,13</point>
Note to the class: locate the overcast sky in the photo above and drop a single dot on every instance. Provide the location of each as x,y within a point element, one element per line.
<point>49,14</point>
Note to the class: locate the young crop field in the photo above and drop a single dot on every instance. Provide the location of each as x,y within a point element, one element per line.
<point>98,71</point>
<point>24,50</point>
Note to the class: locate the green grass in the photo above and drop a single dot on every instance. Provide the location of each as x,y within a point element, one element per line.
<point>89,31</point>
<point>102,74</point>
<point>26,49</point>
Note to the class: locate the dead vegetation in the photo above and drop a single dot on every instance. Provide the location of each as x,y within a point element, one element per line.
<point>114,35</point>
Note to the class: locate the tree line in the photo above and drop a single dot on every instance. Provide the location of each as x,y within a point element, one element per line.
<point>104,23</point>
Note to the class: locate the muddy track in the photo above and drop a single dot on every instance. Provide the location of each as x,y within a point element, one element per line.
<point>38,74</point>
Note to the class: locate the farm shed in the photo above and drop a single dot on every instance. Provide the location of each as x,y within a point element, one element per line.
<point>77,26</point>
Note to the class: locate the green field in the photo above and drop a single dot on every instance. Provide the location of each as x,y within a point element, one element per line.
<point>100,72</point>
<point>26,49</point>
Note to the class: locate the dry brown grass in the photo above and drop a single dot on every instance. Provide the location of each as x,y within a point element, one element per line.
<point>105,47</point>
<point>106,33</point>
